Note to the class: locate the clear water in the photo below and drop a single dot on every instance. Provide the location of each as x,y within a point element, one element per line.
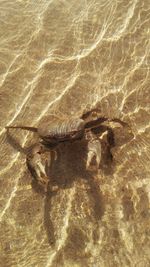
<point>65,57</point>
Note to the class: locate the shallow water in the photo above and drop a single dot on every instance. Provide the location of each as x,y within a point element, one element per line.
<point>65,58</point>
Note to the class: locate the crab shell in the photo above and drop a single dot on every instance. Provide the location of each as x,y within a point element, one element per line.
<point>58,130</point>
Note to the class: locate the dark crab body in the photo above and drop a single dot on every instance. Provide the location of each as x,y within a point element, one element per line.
<point>54,130</point>
<point>60,130</point>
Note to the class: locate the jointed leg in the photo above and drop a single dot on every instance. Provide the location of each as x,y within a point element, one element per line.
<point>108,132</point>
<point>27,128</point>
<point>93,112</point>
<point>94,119</point>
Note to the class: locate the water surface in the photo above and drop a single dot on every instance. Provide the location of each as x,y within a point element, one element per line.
<point>66,57</point>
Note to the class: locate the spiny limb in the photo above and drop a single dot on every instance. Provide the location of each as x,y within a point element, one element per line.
<point>32,129</point>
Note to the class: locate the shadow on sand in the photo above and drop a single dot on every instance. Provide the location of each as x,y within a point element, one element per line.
<point>70,166</point>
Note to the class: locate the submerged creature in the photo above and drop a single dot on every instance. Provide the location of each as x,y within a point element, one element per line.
<point>53,131</point>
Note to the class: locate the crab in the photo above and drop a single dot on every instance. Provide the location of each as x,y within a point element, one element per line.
<point>54,130</point>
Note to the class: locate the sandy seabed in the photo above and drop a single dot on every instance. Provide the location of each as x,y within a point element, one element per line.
<point>66,57</point>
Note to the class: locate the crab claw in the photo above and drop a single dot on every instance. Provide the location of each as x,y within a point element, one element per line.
<point>38,161</point>
<point>94,150</point>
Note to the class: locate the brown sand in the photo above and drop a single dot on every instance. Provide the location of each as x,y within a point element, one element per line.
<point>65,57</point>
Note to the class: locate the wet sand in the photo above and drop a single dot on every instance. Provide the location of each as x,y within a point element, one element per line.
<point>65,58</point>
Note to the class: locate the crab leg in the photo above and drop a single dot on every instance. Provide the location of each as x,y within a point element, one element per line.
<point>32,129</point>
<point>96,119</point>
<point>85,115</point>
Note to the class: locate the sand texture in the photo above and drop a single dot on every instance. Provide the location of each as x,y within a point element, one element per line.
<point>64,58</point>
